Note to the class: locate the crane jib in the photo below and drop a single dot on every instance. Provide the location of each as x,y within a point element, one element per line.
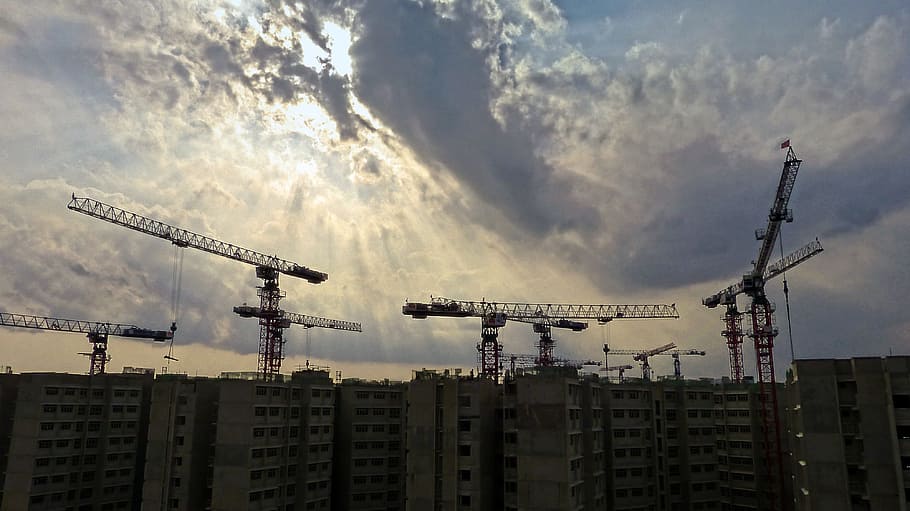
<point>188,239</point>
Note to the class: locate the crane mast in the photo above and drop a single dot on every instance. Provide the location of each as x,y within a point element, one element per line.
<point>733,319</point>
<point>96,332</point>
<point>494,315</point>
<point>268,268</point>
<point>763,331</point>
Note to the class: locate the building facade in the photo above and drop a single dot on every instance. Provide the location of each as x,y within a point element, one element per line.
<point>454,443</point>
<point>74,441</point>
<point>850,428</point>
<point>369,458</point>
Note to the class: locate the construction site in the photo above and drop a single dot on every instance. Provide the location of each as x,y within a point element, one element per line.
<point>518,431</point>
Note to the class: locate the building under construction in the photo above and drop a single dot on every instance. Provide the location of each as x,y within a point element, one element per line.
<point>546,438</point>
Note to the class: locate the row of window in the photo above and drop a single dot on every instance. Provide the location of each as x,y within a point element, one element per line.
<point>392,412</point>
<point>78,426</point>
<point>377,428</point>
<point>262,390</point>
<point>90,443</point>
<point>376,496</point>
<point>363,394</point>
<point>85,493</point>
<point>375,479</point>
<point>734,444</point>
<point>619,413</point>
<point>92,410</point>
<point>82,391</point>
<point>392,462</point>
<point>278,432</point>
<point>393,445</point>
<point>75,477</point>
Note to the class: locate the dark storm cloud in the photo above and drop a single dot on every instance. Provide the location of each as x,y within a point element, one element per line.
<point>423,77</point>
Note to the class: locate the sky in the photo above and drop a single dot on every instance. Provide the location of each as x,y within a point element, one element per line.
<point>535,151</point>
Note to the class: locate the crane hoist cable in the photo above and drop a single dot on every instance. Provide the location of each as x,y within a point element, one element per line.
<point>176,285</point>
<point>787,299</point>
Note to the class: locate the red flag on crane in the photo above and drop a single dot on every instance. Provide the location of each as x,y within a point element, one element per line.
<point>785,144</point>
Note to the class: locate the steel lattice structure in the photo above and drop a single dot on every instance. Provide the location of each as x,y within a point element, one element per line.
<point>185,238</point>
<point>268,268</point>
<point>96,332</point>
<point>289,318</point>
<point>543,315</point>
<point>762,315</point>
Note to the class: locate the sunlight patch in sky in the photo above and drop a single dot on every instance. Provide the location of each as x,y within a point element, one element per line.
<point>340,41</point>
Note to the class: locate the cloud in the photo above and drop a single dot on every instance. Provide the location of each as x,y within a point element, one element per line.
<point>511,150</point>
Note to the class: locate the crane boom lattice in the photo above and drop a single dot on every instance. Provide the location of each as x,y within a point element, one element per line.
<point>185,238</point>
<point>544,316</point>
<point>268,268</point>
<point>97,333</point>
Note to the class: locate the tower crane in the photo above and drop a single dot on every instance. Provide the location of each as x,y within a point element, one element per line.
<point>96,332</point>
<point>762,315</point>
<point>677,366</point>
<point>621,368</point>
<point>641,356</point>
<point>268,268</point>
<point>527,360</point>
<point>285,319</point>
<point>494,315</point>
<point>733,329</point>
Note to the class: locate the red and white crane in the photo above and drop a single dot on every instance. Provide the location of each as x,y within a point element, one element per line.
<point>763,331</point>
<point>268,268</point>
<point>96,332</point>
<point>733,317</point>
<point>494,315</point>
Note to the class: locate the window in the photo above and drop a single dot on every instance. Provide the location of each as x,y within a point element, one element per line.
<point>464,425</point>
<point>464,450</point>
<point>464,475</point>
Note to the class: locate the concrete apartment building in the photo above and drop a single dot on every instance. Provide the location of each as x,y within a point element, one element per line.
<point>687,442</point>
<point>454,442</point>
<point>178,468</point>
<point>850,424</point>
<point>369,458</point>
<point>73,441</point>
<point>661,443</point>
<point>743,469</point>
<point>553,441</point>
<point>235,443</point>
